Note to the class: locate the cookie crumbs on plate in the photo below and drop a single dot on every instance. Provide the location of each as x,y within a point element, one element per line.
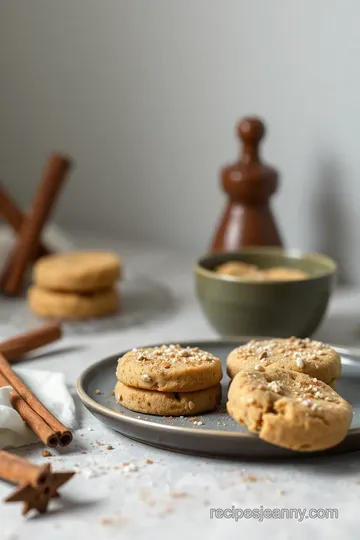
<point>46,453</point>
<point>109,447</point>
<point>98,392</point>
<point>99,443</point>
<point>149,461</point>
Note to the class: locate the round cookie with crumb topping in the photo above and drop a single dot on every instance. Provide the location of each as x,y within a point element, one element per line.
<point>289,409</point>
<point>303,355</point>
<point>168,403</point>
<point>83,271</point>
<point>169,368</point>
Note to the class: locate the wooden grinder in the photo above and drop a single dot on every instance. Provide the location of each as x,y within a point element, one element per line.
<point>248,220</point>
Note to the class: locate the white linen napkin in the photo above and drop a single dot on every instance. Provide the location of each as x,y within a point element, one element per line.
<point>51,390</point>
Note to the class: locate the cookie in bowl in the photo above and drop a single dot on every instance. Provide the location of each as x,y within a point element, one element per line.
<point>239,269</point>
<point>284,274</point>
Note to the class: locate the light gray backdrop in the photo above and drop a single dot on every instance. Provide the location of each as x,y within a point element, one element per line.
<point>145,95</point>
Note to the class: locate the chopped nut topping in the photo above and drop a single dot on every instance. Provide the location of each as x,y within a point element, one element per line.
<point>299,362</point>
<point>173,354</point>
<point>274,386</point>
<point>259,367</point>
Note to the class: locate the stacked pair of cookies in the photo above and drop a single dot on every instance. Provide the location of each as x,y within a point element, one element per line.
<point>169,380</point>
<point>283,389</point>
<point>77,285</point>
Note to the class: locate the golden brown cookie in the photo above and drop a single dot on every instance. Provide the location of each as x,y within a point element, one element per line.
<point>303,355</point>
<point>66,305</point>
<point>169,369</point>
<point>239,269</point>
<point>289,409</point>
<point>284,274</point>
<point>168,403</point>
<point>83,271</point>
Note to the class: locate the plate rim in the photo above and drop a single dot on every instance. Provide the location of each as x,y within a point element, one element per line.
<point>87,400</point>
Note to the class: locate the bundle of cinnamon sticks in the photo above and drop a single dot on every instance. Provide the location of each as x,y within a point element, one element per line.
<point>28,245</point>
<point>40,420</point>
<point>37,485</point>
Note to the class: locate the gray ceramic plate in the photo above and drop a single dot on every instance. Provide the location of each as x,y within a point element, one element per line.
<point>219,435</point>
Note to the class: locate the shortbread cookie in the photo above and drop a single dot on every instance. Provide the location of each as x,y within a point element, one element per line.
<point>86,271</point>
<point>169,369</point>
<point>72,306</point>
<point>284,274</point>
<point>168,403</point>
<point>289,409</point>
<point>303,355</point>
<point>239,269</point>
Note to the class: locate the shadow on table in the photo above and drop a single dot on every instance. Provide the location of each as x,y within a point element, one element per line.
<point>65,505</point>
<point>141,299</point>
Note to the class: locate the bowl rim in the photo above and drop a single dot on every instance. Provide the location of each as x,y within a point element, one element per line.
<point>292,253</point>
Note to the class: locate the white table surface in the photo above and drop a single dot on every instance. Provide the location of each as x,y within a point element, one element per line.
<point>172,497</point>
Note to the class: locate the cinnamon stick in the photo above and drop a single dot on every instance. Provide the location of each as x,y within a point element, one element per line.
<point>31,418</point>
<point>46,435</point>
<point>65,435</point>
<point>15,218</point>
<point>20,471</point>
<point>37,484</point>
<point>29,236</point>
<point>15,347</point>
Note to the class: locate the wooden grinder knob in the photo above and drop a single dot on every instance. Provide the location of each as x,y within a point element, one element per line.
<point>249,184</point>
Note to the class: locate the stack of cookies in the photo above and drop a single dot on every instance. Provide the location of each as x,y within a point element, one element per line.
<point>77,285</point>
<point>169,380</point>
<point>283,389</point>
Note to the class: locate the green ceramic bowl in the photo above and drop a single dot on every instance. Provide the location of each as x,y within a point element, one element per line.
<point>236,307</point>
